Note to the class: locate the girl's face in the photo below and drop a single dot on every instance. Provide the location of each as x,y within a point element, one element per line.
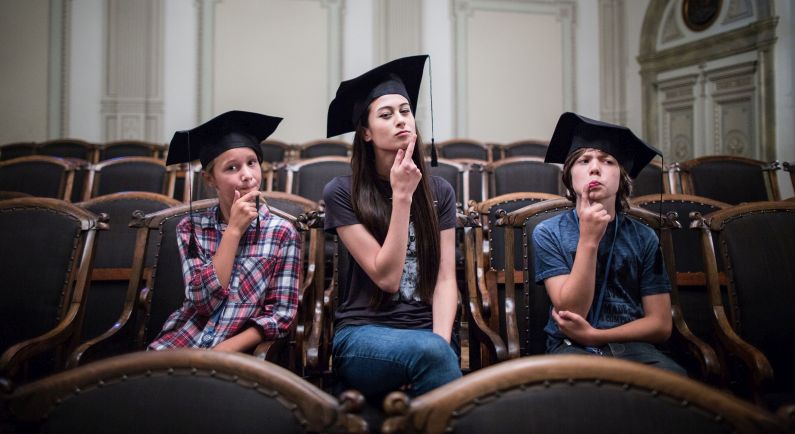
<point>390,123</point>
<point>598,173</point>
<point>235,169</point>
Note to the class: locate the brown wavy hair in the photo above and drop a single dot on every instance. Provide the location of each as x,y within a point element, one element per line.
<point>624,181</point>
<point>373,208</point>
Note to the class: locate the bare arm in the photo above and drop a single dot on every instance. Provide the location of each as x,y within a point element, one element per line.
<point>654,326</point>
<point>445,294</point>
<point>575,291</point>
<point>241,214</point>
<point>384,263</point>
<point>242,342</point>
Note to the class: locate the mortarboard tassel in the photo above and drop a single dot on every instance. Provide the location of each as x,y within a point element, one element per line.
<point>193,248</point>
<point>434,158</point>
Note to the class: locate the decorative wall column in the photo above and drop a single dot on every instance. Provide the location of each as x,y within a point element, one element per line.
<point>132,105</point>
<point>58,75</point>
<point>613,59</point>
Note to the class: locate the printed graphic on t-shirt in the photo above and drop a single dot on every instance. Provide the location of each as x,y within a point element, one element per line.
<point>408,282</point>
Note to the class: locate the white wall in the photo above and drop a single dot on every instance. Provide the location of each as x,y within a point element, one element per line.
<point>587,51</point>
<point>635,11</point>
<point>24,66</point>
<point>85,69</point>
<point>180,98</point>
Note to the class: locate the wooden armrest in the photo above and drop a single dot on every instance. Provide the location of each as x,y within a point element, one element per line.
<point>753,359</point>
<point>313,340</point>
<point>704,354</point>
<point>16,355</point>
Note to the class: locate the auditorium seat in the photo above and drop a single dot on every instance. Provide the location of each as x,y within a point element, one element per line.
<point>575,394</point>
<point>196,391</point>
<point>45,269</point>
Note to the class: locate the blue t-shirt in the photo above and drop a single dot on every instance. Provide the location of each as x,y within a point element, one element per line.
<point>637,268</point>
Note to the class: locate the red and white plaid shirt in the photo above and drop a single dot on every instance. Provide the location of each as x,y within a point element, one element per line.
<point>263,288</point>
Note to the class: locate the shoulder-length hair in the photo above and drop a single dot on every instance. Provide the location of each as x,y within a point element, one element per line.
<point>373,209</point>
<point>624,181</point>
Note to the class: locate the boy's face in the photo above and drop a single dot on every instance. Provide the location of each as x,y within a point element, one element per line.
<point>597,174</point>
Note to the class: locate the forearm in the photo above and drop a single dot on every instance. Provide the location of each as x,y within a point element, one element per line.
<point>241,342</point>
<point>445,304</point>
<point>389,260</point>
<point>224,258</point>
<point>577,292</point>
<point>646,329</point>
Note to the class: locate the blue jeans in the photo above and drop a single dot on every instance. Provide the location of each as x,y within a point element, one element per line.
<point>641,352</point>
<point>376,360</point>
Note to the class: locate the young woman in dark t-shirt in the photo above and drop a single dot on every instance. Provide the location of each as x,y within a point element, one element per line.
<point>394,325</point>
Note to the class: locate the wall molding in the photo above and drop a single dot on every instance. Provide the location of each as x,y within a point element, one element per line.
<point>756,38</point>
<point>58,74</point>
<point>613,58</point>
<point>205,60</point>
<point>463,10</point>
<point>132,103</point>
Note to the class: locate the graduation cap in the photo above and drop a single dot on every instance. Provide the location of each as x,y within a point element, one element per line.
<point>230,130</point>
<point>233,129</point>
<point>574,132</point>
<point>401,76</point>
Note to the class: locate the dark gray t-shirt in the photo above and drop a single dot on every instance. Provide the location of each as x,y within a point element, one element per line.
<point>637,267</point>
<point>404,309</point>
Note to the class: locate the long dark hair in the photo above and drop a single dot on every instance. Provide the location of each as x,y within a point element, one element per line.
<point>373,209</point>
<point>624,181</point>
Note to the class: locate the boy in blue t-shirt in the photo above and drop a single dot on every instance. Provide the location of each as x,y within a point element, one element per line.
<point>603,271</point>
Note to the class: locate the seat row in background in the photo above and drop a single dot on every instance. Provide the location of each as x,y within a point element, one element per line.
<point>155,289</point>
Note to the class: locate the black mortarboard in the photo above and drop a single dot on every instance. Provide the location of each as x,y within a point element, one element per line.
<point>233,129</point>
<point>574,132</point>
<point>401,76</point>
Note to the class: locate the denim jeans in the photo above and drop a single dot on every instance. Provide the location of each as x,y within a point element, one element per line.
<point>376,360</point>
<point>641,352</point>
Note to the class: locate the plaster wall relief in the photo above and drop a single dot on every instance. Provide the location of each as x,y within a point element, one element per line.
<point>676,114</point>
<point>708,78</point>
<point>733,103</point>
<point>132,104</point>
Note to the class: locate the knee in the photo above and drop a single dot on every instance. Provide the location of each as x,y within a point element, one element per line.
<point>435,350</point>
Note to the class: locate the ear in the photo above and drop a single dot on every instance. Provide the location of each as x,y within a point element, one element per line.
<point>208,178</point>
<point>367,136</point>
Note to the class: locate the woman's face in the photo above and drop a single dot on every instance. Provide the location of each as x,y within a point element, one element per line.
<point>390,123</point>
<point>235,169</point>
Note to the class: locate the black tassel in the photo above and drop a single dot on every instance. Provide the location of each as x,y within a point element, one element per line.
<point>193,248</point>
<point>434,159</point>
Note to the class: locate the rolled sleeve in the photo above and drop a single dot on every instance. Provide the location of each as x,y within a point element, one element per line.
<point>202,287</point>
<point>279,305</point>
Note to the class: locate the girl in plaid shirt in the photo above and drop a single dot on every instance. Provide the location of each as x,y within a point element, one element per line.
<point>240,262</point>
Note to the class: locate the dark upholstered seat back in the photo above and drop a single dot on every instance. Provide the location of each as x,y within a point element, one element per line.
<point>44,266</point>
<point>651,180</point>
<point>195,391</point>
<point>693,295</point>
<point>728,179</point>
<point>114,255</point>
<point>758,249</point>
<point>39,251</point>
<point>10,151</point>
<point>40,176</point>
<point>576,394</point>
<point>325,148</point>
<point>129,148</point>
<point>129,174</point>
<point>532,303</point>
<point>307,178</point>
<point>462,148</point>
<point>168,287</point>
<point>68,148</point>
<point>525,148</point>
<point>452,172</point>
<point>524,174</point>
<point>274,151</point>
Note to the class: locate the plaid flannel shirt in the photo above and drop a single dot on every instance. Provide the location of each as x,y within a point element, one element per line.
<point>263,288</point>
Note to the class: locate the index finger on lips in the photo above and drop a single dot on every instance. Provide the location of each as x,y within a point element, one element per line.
<point>410,148</point>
